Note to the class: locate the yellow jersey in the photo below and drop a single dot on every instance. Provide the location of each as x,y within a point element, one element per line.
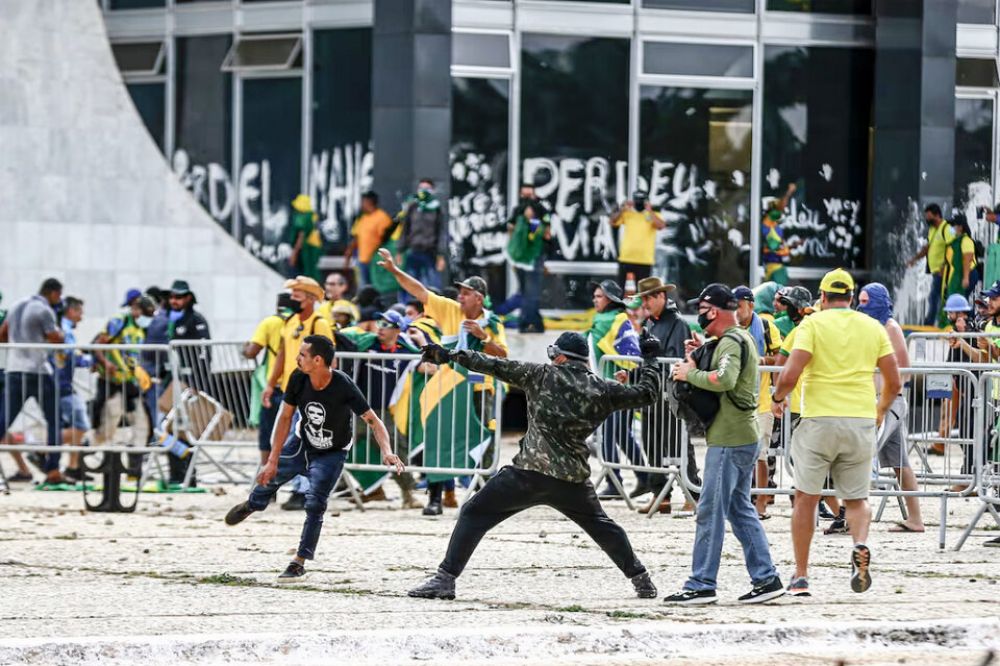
<point>638,239</point>
<point>294,331</point>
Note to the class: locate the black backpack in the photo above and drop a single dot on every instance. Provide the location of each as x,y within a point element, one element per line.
<point>696,406</point>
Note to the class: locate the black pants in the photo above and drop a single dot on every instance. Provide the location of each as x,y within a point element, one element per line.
<point>513,490</point>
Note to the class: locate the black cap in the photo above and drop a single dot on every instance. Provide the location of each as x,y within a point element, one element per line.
<point>475,283</point>
<point>573,345</point>
<point>718,295</point>
<point>181,288</point>
<point>611,289</point>
<point>742,293</point>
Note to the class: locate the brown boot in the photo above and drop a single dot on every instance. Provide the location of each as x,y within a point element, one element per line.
<point>409,501</point>
<point>688,507</point>
<point>449,501</point>
<point>664,506</point>
<point>377,495</point>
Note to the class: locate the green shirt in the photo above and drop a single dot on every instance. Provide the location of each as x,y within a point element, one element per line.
<point>732,426</point>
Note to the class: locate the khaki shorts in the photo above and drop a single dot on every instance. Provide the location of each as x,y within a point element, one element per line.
<point>839,446</point>
<point>765,421</point>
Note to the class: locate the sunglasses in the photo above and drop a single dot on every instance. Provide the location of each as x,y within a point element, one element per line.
<point>386,324</point>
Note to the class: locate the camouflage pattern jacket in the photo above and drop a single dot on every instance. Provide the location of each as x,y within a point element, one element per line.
<point>566,403</point>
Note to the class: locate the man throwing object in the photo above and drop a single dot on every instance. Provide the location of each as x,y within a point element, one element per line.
<point>324,398</point>
<point>566,403</point>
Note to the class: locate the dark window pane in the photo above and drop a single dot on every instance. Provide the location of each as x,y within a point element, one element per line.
<point>976,72</point>
<point>272,162</point>
<point>817,124</point>
<point>136,4</point>
<point>697,59</point>
<point>576,153</point>
<point>976,11</point>
<point>742,6</point>
<point>822,6</point>
<point>973,154</point>
<point>203,124</point>
<point>478,205</point>
<point>480,49</point>
<point>139,57</point>
<point>694,161</point>
<point>341,165</point>
<point>264,53</point>
<point>149,102</point>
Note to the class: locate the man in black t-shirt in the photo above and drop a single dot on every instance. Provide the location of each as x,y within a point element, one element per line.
<point>325,399</point>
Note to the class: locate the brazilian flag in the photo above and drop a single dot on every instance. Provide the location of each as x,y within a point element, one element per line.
<point>454,436</point>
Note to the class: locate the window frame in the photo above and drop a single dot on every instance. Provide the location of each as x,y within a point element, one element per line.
<point>287,69</point>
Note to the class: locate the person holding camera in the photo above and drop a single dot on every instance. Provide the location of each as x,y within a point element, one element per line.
<point>637,247</point>
<point>566,403</point>
<point>732,439</point>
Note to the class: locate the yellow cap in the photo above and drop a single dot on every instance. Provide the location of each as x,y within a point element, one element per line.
<point>837,281</point>
<point>302,203</point>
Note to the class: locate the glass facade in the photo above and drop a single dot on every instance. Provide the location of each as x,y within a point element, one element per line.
<point>714,124</point>
<point>479,173</point>
<point>272,156</point>
<point>816,134</point>
<point>694,161</point>
<point>576,154</point>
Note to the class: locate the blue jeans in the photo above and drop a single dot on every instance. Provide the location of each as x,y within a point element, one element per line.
<point>365,268</point>
<point>726,495</point>
<point>268,415</point>
<point>18,388</point>
<point>421,265</point>
<point>934,303</point>
<point>618,428</point>
<point>530,285</point>
<point>323,470</point>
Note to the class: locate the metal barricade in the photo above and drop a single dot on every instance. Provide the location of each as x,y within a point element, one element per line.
<point>216,393</point>
<point>86,400</point>
<point>443,421</point>
<point>987,454</point>
<point>940,347</point>
<point>649,441</point>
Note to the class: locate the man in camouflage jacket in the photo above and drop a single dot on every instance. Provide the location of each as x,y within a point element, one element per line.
<point>566,403</point>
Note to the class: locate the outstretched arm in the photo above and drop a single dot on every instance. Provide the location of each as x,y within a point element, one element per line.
<point>512,372</point>
<point>410,284</point>
<point>632,396</point>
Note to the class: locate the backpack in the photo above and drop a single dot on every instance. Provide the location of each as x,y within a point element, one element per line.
<point>698,407</point>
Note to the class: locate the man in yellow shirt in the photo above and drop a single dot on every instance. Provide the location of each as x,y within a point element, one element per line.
<point>368,233</point>
<point>303,322</point>
<point>464,324</point>
<point>939,236</point>
<point>836,353</point>
<point>637,245</point>
<point>267,337</point>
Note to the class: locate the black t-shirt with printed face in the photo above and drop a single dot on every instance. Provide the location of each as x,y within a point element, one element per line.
<point>325,416</point>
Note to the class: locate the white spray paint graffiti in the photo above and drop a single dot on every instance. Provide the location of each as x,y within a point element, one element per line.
<point>477,209</point>
<point>336,180</point>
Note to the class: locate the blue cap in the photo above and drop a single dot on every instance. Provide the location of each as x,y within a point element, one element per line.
<point>397,320</point>
<point>742,293</point>
<point>131,295</point>
<point>957,303</point>
<point>993,291</point>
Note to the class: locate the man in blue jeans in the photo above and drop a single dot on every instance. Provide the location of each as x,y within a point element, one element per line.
<point>732,452</point>
<point>324,399</point>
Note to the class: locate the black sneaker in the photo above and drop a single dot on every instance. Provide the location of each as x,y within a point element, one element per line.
<point>825,513</point>
<point>440,586</point>
<point>643,584</point>
<point>433,509</point>
<point>292,573</point>
<point>238,513</point>
<point>297,502</point>
<point>771,589</point>
<point>691,598</point>
<point>861,578</point>
<point>838,526</point>
<point>77,474</point>
<point>993,543</point>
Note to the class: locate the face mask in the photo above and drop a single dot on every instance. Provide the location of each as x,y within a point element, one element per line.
<point>794,315</point>
<point>175,315</point>
<point>703,320</point>
<point>144,321</point>
<point>774,215</point>
<point>639,203</point>
<point>295,307</point>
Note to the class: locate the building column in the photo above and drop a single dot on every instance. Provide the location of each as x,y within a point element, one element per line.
<point>411,97</point>
<point>913,160</point>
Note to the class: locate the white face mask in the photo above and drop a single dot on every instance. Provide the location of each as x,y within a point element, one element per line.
<point>144,321</point>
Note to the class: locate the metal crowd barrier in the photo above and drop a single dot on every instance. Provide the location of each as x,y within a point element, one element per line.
<point>943,407</point>
<point>937,347</point>
<point>987,463</point>
<point>85,400</point>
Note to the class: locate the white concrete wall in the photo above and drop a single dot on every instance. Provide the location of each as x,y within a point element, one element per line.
<point>86,195</point>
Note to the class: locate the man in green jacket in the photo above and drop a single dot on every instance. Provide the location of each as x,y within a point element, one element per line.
<point>732,451</point>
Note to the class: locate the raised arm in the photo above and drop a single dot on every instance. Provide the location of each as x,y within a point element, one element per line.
<point>410,284</point>
<point>512,372</point>
<point>644,392</point>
